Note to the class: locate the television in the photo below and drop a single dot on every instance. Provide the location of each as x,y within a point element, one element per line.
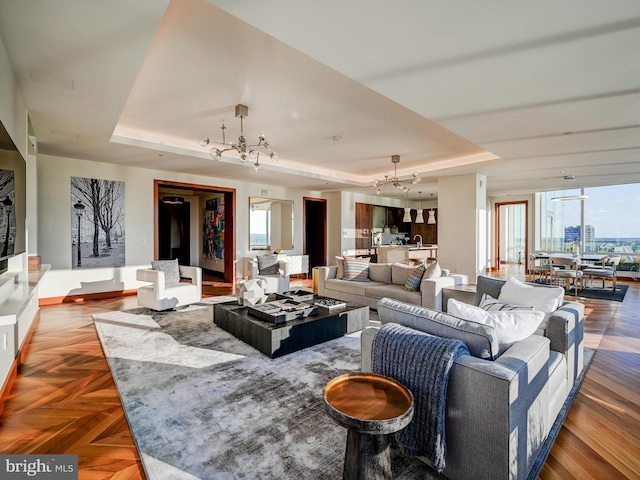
<point>13,200</point>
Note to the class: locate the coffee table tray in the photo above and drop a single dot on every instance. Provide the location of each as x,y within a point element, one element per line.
<point>282,311</point>
<point>299,295</point>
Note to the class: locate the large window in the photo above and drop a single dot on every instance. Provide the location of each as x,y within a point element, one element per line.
<point>605,222</point>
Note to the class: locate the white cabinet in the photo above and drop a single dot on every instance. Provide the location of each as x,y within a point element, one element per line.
<point>18,309</point>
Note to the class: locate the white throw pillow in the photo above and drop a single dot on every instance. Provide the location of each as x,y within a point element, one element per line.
<point>491,304</point>
<point>510,326</point>
<point>542,298</point>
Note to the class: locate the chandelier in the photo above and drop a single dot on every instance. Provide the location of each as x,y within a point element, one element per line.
<point>245,150</point>
<point>395,181</point>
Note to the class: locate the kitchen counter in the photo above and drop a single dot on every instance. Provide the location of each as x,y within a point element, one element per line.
<point>399,253</point>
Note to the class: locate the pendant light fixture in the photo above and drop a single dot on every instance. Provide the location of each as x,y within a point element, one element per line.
<point>432,215</point>
<point>407,211</point>
<point>419,217</point>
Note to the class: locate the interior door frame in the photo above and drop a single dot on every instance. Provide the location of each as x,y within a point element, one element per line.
<point>322,201</point>
<point>229,219</point>
<point>496,236</point>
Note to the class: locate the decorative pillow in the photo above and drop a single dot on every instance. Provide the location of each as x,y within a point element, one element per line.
<point>400,273</point>
<point>491,304</point>
<point>268,265</point>
<point>433,269</point>
<point>481,339</point>
<point>340,263</point>
<point>413,282</point>
<point>356,269</point>
<point>543,298</point>
<point>510,326</point>
<point>170,269</point>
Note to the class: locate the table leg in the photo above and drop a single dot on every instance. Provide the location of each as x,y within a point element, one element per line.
<point>367,457</point>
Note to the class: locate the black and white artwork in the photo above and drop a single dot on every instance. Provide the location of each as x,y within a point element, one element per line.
<point>7,213</point>
<point>97,223</point>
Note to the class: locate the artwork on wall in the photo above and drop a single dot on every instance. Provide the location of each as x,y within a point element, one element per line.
<point>213,229</point>
<point>8,213</point>
<point>97,223</point>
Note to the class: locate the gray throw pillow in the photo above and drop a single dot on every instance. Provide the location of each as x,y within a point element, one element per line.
<point>170,269</point>
<point>268,265</point>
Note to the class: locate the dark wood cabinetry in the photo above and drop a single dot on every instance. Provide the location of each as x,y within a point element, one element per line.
<point>364,225</point>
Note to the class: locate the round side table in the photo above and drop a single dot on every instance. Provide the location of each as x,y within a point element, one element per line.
<point>371,407</point>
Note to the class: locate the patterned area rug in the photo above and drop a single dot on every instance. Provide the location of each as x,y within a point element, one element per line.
<point>202,404</point>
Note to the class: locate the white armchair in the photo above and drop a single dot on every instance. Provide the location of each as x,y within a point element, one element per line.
<point>275,282</point>
<point>163,295</point>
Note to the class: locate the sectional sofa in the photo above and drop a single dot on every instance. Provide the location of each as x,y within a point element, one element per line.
<point>387,280</point>
<point>501,405</point>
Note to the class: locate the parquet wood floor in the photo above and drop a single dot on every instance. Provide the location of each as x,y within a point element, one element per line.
<point>64,399</point>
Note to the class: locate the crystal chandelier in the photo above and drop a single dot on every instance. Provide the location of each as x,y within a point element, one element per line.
<point>244,149</point>
<point>395,181</point>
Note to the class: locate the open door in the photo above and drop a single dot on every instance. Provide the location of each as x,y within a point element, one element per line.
<point>512,234</point>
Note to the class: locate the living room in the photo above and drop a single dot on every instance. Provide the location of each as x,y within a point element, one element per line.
<point>510,163</point>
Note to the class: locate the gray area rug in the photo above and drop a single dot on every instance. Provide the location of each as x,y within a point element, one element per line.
<point>202,404</point>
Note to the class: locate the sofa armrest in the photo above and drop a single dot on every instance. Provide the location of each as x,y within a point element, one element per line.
<point>324,274</point>
<point>156,277</point>
<point>366,348</point>
<point>565,330</point>
<point>284,268</point>
<point>192,273</point>
<point>431,289</point>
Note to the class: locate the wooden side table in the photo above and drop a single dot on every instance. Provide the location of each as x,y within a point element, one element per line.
<point>371,407</point>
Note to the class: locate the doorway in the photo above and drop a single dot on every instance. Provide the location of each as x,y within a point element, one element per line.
<point>512,234</point>
<point>315,231</point>
<point>197,226</point>
<point>174,236</point>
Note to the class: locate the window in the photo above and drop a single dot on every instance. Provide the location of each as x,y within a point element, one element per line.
<point>606,222</point>
<point>260,236</point>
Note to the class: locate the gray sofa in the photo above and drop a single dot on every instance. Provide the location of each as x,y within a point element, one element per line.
<point>387,280</point>
<point>500,411</point>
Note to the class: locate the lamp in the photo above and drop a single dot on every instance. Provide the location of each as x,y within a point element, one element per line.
<point>407,210</point>
<point>244,149</point>
<point>395,181</point>
<point>432,215</point>
<point>566,198</point>
<point>79,208</point>
<point>419,216</point>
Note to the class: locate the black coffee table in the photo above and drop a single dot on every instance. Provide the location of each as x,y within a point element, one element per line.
<point>275,340</point>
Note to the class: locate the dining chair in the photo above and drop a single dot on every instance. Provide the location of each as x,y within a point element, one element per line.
<point>607,270</point>
<point>567,269</point>
<point>539,269</point>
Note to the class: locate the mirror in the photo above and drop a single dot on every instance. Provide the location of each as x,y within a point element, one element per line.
<point>270,224</point>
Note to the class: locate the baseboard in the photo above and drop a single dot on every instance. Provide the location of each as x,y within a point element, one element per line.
<point>43,302</point>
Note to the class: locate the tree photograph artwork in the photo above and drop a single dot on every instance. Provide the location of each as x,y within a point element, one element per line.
<point>7,213</point>
<point>97,223</point>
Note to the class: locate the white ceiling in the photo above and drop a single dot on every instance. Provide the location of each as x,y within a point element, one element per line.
<point>522,92</point>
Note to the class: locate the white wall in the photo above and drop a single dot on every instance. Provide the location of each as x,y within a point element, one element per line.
<point>462,224</point>
<point>54,222</point>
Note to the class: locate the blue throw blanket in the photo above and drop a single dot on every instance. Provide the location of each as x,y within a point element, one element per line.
<point>421,362</point>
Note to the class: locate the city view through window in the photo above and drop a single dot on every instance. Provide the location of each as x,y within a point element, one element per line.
<point>606,222</point>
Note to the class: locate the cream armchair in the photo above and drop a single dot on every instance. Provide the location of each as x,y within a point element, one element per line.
<point>163,295</point>
<point>277,282</point>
